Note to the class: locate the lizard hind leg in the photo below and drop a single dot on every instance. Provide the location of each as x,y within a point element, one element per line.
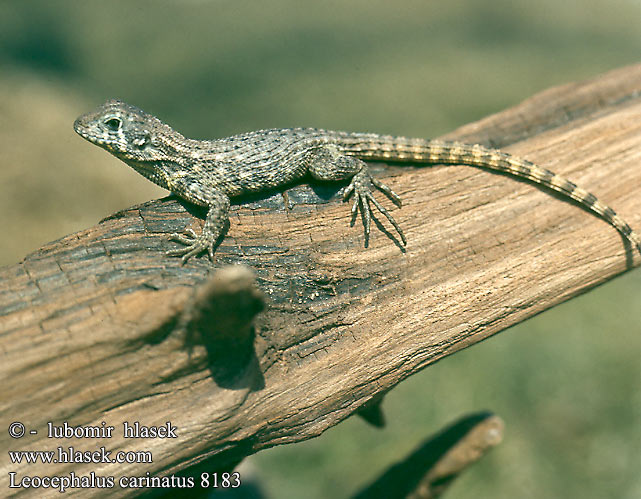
<point>328,164</point>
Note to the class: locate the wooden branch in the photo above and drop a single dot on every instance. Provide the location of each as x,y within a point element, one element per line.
<point>95,326</point>
<point>429,470</point>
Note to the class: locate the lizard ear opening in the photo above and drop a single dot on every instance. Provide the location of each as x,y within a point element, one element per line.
<point>142,140</point>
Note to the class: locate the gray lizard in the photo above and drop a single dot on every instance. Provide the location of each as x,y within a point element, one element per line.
<point>209,172</point>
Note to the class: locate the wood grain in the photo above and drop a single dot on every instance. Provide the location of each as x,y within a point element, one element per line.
<point>89,324</point>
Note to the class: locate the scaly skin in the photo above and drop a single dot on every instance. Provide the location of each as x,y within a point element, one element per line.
<point>209,172</point>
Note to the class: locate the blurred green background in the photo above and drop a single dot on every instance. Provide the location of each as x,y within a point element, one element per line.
<point>567,383</point>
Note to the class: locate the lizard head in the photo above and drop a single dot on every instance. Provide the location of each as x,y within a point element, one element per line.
<point>124,130</point>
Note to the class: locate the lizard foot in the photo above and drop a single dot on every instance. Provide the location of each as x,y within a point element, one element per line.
<point>362,185</point>
<point>195,243</point>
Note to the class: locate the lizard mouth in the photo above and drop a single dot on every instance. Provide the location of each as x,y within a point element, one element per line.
<point>77,127</point>
<point>80,129</point>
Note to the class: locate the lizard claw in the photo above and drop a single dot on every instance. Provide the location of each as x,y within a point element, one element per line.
<point>361,186</point>
<point>388,192</point>
<point>195,244</point>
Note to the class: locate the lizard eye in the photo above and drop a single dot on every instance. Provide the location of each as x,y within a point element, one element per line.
<point>113,124</point>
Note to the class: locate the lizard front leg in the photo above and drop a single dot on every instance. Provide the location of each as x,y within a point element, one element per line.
<point>217,219</point>
<point>327,163</point>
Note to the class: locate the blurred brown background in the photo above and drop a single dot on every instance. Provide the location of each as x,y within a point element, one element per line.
<point>567,383</point>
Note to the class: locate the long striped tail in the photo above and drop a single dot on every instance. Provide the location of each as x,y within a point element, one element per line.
<point>389,148</point>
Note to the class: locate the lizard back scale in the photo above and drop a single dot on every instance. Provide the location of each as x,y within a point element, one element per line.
<point>209,172</point>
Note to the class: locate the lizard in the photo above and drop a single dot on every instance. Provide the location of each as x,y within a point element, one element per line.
<point>210,172</point>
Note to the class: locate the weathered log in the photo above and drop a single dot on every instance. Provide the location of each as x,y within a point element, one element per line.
<point>96,326</point>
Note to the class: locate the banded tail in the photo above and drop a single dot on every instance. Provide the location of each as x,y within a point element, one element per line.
<point>388,148</point>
